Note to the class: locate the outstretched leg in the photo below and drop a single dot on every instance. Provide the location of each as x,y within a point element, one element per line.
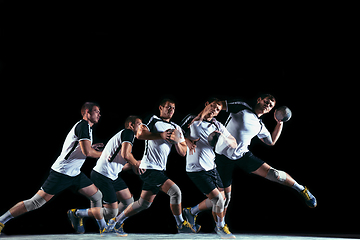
<point>37,201</point>
<point>284,178</point>
<point>276,176</point>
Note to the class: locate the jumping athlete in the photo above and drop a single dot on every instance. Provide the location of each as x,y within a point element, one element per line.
<point>65,172</point>
<point>244,123</point>
<point>160,134</point>
<point>116,157</point>
<point>201,168</point>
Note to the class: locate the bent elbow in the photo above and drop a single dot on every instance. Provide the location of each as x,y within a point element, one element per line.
<point>87,153</point>
<point>140,137</point>
<point>124,156</point>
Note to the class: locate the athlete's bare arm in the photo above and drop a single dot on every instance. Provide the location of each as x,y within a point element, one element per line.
<point>144,134</point>
<point>230,140</point>
<point>208,108</point>
<point>87,150</point>
<point>126,148</point>
<point>275,134</point>
<point>181,148</point>
<point>191,144</point>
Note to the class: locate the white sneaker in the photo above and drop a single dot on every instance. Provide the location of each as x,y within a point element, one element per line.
<point>224,232</point>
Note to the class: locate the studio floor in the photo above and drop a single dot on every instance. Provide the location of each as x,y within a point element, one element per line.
<point>93,236</point>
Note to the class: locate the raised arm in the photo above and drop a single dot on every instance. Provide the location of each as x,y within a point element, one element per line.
<point>275,134</point>
<point>228,106</point>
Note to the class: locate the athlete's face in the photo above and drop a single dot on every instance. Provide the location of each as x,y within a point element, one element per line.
<point>214,110</point>
<point>94,115</point>
<point>167,111</point>
<point>264,105</point>
<point>136,125</point>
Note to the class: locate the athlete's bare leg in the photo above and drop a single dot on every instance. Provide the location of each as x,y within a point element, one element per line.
<point>123,194</point>
<point>20,209</point>
<point>148,196</point>
<point>211,195</point>
<point>120,195</point>
<point>264,169</point>
<point>88,192</point>
<point>175,208</point>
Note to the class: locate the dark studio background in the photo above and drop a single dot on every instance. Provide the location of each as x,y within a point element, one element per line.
<point>53,66</point>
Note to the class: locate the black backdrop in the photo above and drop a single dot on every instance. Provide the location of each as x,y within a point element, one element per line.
<point>52,67</point>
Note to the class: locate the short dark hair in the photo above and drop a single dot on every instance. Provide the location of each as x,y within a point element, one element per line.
<point>132,119</point>
<point>213,99</point>
<point>89,106</point>
<point>267,95</point>
<point>165,100</point>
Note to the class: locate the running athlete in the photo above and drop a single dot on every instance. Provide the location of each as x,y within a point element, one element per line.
<point>116,157</point>
<point>65,172</point>
<point>160,134</point>
<point>201,168</point>
<point>244,123</point>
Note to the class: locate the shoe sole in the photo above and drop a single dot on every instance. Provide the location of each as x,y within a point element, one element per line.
<point>124,235</point>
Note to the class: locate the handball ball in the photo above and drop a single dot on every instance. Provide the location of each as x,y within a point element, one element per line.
<point>283,114</point>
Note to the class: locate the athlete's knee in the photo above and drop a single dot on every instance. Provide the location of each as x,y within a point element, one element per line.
<point>96,199</point>
<point>109,213</point>
<point>175,194</point>
<point>34,203</point>
<point>276,175</point>
<point>141,205</point>
<point>126,202</point>
<point>218,203</point>
<point>123,204</point>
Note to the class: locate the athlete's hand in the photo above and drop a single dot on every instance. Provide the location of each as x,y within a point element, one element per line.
<point>200,117</point>
<point>137,170</point>
<point>278,121</point>
<point>97,146</point>
<point>167,134</point>
<point>191,145</point>
<point>175,136</point>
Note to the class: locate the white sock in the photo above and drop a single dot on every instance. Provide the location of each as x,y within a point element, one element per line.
<point>82,213</point>
<point>6,217</point>
<point>195,210</point>
<point>298,187</point>
<point>179,219</point>
<point>101,223</point>
<point>121,218</point>
<point>220,223</point>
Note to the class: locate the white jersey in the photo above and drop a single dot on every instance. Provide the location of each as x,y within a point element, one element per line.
<point>157,151</point>
<point>243,124</point>
<point>204,155</point>
<point>112,167</point>
<point>71,158</point>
